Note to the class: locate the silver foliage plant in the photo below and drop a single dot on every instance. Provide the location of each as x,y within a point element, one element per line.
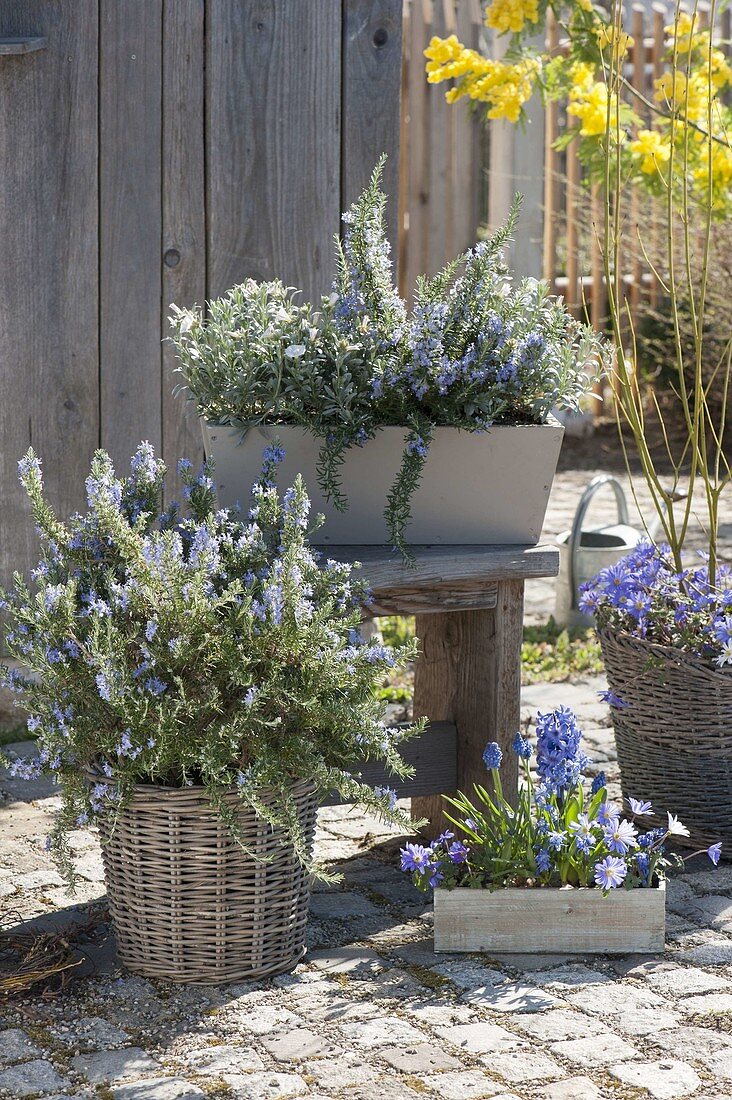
<point>202,648</point>
<point>475,350</point>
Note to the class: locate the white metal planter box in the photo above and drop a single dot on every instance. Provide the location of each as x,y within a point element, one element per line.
<point>535,920</point>
<point>491,487</point>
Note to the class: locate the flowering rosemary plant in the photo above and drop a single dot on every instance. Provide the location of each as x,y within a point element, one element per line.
<point>474,351</point>
<point>562,832</point>
<point>203,648</point>
<point>643,595</point>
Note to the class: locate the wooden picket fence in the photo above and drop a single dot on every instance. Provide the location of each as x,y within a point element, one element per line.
<point>443,187</point>
<point>573,213</point>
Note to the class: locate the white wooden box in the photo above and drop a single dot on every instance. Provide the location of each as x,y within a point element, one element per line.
<point>491,487</point>
<point>566,921</point>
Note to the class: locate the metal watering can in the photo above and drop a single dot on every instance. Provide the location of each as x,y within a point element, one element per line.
<point>583,553</point>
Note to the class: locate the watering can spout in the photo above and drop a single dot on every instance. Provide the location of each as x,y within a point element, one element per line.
<point>583,552</point>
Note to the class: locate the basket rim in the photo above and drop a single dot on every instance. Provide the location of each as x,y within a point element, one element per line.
<point>674,655</point>
<point>298,786</point>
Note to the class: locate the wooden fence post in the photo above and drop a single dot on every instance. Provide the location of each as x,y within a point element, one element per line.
<point>513,167</point>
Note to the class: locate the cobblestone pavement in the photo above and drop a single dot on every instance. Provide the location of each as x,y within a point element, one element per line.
<point>373,1013</point>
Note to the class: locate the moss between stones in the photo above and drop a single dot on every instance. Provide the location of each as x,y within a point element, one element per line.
<point>437,982</point>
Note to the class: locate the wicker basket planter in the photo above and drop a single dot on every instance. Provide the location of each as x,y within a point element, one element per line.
<point>188,904</point>
<point>567,921</point>
<point>674,739</point>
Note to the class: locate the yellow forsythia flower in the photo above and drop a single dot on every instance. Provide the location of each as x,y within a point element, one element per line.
<point>512,15</point>
<point>589,103</point>
<point>670,88</point>
<point>721,71</point>
<point>442,50</point>
<point>505,87</point>
<point>688,97</point>
<point>721,174</point>
<point>681,32</point>
<point>607,35</point>
<point>652,149</point>
<point>582,75</point>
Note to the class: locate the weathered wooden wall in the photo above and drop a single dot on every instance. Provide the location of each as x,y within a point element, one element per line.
<point>157,151</point>
<point>443,193</point>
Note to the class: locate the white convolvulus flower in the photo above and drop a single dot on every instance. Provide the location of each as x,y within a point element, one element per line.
<point>676,827</point>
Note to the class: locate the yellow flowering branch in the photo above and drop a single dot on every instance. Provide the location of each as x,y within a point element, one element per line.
<point>687,98</point>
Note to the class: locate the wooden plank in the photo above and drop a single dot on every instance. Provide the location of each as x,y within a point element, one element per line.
<point>184,228</point>
<point>598,303</point>
<point>427,600</point>
<point>371,101</point>
<point>11,47</point>
<point>469,673</point>
<point>725,32</point>
<point>573,199</point>
<point>551,169</point>
<point>467,139</point>
<point>420,96</point>
<point>49,389</point>
<point>440,165</point>
<point>568,922</point>
<point>401,255</point>
<point>444,566</point>
<point>433,756</point>
<point>273,133</point>
<point>130,228</point>
<point>504,692</point>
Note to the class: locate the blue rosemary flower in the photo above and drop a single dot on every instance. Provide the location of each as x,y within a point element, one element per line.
<point>387,794</point>
<point>613,700</point>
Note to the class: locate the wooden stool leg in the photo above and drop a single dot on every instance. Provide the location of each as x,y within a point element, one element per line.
<point>469,673</point>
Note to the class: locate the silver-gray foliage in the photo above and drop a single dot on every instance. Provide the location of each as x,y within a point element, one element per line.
<point>475,350</point>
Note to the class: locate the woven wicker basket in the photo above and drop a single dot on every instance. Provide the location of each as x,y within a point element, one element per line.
<point>188,904</point>
<point>674,740</point>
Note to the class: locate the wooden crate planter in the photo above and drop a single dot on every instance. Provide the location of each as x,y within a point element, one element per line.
<point>551,920</point>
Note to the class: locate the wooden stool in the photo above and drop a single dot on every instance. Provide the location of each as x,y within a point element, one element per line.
<point>469,608</point>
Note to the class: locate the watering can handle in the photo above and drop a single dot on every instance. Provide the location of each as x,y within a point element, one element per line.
<point>576,533</point>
